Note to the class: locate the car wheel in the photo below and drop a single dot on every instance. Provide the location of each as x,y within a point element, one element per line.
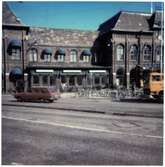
<point>50,100</point>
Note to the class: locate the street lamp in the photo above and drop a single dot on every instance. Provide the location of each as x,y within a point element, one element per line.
<point>4,63</point>
<point>24,39</point>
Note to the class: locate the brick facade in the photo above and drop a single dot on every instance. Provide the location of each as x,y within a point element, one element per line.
<point>99,68</point>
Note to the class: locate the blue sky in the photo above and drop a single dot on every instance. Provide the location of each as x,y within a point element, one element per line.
<point>72,15</point>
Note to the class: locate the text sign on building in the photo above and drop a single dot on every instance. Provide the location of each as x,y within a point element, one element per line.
<point>97,71</point>
<point>43,70</point>
<point>76,71</point>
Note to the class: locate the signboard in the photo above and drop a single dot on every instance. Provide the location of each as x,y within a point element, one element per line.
<point>45,70</point>
<point>72,71</point>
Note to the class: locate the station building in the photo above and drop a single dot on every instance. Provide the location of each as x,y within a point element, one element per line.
<point>131,39</point>
<point>72,59</point>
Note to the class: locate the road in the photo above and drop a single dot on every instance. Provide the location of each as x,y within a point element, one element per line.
<point>36,136</point>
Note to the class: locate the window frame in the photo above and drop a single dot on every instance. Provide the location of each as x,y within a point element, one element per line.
<point>15,53</point>
<point>73,57</point>
<point>33,56</point>
<point>148,55</point>
<point>157,50</point>
<point>120,52</point>
<point>133,52</point>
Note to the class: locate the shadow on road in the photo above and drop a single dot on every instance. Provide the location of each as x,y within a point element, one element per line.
<point>160,101</point>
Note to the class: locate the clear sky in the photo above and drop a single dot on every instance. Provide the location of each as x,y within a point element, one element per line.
<point>72,15</point>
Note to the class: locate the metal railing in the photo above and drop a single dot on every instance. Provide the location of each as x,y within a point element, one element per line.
<point>112,94</point>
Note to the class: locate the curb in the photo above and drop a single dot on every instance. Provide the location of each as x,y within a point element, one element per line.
<point>57,108</point>
<point>89,111</point>
<point>138,115</point>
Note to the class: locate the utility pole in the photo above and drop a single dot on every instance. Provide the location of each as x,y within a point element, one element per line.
<point>23,59</point>
<point>4,63</point>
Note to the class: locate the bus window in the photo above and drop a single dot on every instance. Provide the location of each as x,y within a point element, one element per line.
<point>156,78</point>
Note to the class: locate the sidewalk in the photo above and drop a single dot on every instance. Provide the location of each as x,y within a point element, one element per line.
<point>93,105</point>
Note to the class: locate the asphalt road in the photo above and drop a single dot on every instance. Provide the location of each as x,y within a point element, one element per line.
<point>103,105</point>
<point>36,136</point>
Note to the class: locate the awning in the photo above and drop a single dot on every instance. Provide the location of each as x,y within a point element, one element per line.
<point>86,52</point>
<point>15,43</point>
<point>61,51</point>
<point>16,73</point>
<point>47,51</point>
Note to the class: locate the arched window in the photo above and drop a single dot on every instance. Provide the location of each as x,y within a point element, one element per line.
<point>133,52</point>
<point>158,53</point>
<point>120,53</point>
<point>33,55</point>
<point>60,55</point>
<point>73,55</point>
<point>147,52</point>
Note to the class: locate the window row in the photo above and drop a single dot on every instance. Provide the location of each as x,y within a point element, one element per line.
<point>69,80</point>
<point>46,56</point>
<point>134,52</point>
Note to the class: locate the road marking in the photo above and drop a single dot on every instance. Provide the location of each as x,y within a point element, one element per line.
<point>81,128</point>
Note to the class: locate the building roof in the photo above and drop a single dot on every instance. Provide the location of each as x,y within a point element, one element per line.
<point>8,17</point>
<point>131,21</point>
<point>62,37</point>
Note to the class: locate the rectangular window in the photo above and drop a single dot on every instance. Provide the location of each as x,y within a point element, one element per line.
<point>104,80</point>
<point>73,56</point>
<point>79,80</point>
<point>16,54</point>
<point>97,80</point>
<point>71,80</point>
<point>63,79</point>
<point>60,58</point>
<point>45,80</point>
<point>33,55</point>
<point>85,58</point>
<point>47,57</point>
<point>35,79</point>
<point>52,80</point>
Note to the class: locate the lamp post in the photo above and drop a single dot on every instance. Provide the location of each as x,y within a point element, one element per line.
<point>4,63</point>
<point>24,38</point>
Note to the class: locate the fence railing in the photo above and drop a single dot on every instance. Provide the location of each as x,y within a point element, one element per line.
<point>116,94</point>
